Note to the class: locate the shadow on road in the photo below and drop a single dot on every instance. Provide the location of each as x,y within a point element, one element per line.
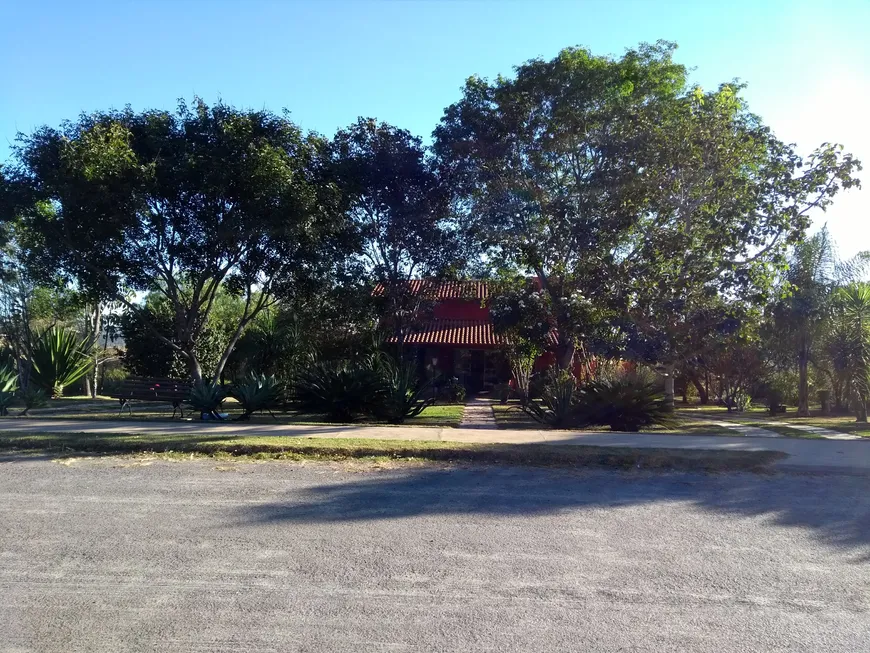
<point>835,508</point>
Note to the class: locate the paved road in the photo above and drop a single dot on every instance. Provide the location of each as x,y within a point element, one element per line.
<point>803,453</point>
<point>113,554</point>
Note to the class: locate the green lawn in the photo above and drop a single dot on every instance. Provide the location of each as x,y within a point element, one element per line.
<point>306,448</point>
<point>75,408</point>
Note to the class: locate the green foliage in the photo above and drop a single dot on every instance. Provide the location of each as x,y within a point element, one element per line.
<point>8,387</point>
<point>257,392</point>
<point>342,390</point>
<point>207,398</point>
<point>625,401</point>
<point>453,392</point>
<point>33,397</point>
<point>58,358</point>
<point>403,393</point>
<point>559,402</point>
<point>264,223</point>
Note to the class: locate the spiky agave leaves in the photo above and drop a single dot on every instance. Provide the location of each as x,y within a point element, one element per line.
<point>58,358</point>
<point>8,386</point>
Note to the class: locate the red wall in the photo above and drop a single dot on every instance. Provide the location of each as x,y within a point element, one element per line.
<point>460,309</point>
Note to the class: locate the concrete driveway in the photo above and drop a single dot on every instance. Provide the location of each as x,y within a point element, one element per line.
<point>121,554</point>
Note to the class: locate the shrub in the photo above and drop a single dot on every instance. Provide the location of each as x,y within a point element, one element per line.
<point>8,386</point>
<point>402,393</point>
<point>58,359</point>
<point>33,397</point>
<point>257,392</point>
<point>503,391</point>
<point>341,390</point>
<point>625,401</point>
<point>207,398</point>
<point>558,405</point>
<point>453,392</point>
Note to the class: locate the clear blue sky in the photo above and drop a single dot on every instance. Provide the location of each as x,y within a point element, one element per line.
<point>807,61</point>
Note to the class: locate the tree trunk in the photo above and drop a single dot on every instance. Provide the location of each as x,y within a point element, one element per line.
<point>703,395</point>
<point>803,385</point>
<point>861,410</point>
<point>565,355</point>
<point>667,372</point>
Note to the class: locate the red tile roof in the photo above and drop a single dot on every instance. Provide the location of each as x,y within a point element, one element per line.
<point>463,333</point>
<point>469,333</point>
<point>472,289</point>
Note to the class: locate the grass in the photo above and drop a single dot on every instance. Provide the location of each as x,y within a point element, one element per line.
<point>509,416</point>
<point>332,449</point>
<point>438,416</point>
<point>839,423</point>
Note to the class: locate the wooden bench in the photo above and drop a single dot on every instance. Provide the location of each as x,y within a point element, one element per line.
<point>157,390</point>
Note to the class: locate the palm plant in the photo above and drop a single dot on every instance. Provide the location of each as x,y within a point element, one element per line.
<point>257,392</point>
<point>32,397</point>
<point>8,386</point>
<point>402,395</point>
<point>855,302</point>
<point>58,357</point>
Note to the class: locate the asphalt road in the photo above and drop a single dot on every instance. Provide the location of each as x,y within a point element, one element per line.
<point>118,554</point>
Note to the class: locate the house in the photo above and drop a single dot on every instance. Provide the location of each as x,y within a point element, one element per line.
<point>451,334</point>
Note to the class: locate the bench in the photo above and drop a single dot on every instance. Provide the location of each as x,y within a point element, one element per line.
<point>157,390</point>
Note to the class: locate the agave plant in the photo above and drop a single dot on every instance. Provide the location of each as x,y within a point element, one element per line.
<point>32,397</point>
<point>58,358</point>
<point>257,392</point>
<point>8,386</point>
<point>401,393</point>
<point>558,406</point>
<point>341,390</point>
<point>625,402</point>
<point>206,398</point>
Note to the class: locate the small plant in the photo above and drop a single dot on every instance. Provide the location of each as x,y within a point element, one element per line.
<point>33,397</point>
<point>342,390</point>
<point>625,402</point>
<point>402,395</point>
<point>453,391</point>
<point>58,359</point>
<point>207,398</point>
<point>257,392</point>
<point>503,391</point>
<point>558,405</point>
<point>8,386</point>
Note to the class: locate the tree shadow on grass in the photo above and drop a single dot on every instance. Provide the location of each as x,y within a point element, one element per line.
<point>835,508</point>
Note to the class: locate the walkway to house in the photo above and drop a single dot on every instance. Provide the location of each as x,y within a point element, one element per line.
<point>804,454</point>
<point>478,414</point>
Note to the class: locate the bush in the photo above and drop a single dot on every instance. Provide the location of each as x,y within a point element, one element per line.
<point>453,392</point>
<point>8,386</point>
<point>207,398</point>
<point>257,392</point>
<point>503,391</point>
<point>341,390</point>
<point>625,401</point>
<point>558,405</point>
<point>33,397</point>
<point>402,393</point>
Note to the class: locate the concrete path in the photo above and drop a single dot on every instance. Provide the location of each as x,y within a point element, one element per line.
<point>803,453</point>
<point>827,434</point>
<point>478,414</point>
<point>744,429</point>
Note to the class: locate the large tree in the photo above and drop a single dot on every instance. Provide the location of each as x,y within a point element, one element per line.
<point>399,204</point>
<point>543,162</point>
<point>723,200</point>
<point>183,204</point>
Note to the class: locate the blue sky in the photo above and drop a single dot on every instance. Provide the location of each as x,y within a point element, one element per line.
<point>807,62</point>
